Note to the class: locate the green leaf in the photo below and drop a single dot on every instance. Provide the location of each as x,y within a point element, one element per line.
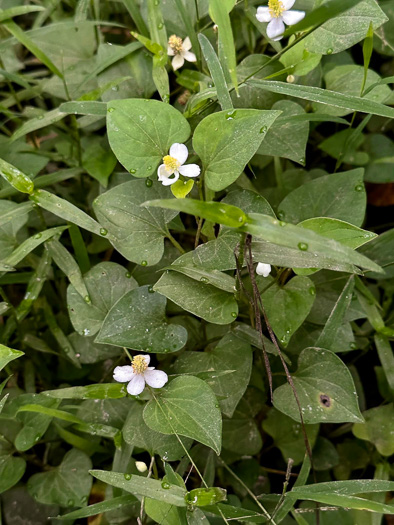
<point>230,354</point>
<point>206,496</point>
<point>380,250</point>
<point>217,74</point>
<point>7,355</point>
<point>68,265</point>
<point>325,390</point>
<point>386,357</point>
<point>34,425</point>
<point>141,132</point>
<point>99,391</point>
<point>43,120</point>
<point>324,96</point>
<point>340,231</point>
<point>340,196</point>
<point>137,433</point>
<point>136,232</point>
<point>217,212</point>
<point>381,155</point>
<point>106,283</point>
<point>288,435</point>
<point>278,142</point>
<point>11,470</point>
<point>90,352</point>
<point>288,306</point>
<point>67,485</point>
<point>345,30</point>
<point>203,300</point>
<point>378,428</point>
<point>219,13</point>
<point>164,513</point>
<point>334,322</point>
<point>181,188</point>
<point>150,488</point>
<point>67,211</point>
<point>241,435</point>
<point>226,141</point>
<point>187,406</point>
<point>19,10</point>
<point>100,508</point>
<point>16,178</point>
<point>84,107</point>
<point>138,321</point>
<point>384,35</point>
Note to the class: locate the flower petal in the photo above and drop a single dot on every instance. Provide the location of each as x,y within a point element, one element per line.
<point>122,374</point>
<point>263,14</point>
<point>179,152</point>
<point>177,62</point>
<point>263,269</point>
<point>170,51</point>
<point>156,378</point>
<point>162,173</point>
<point>186,44</point>
<point>189,56</point>
<point>275,28</point>
<point>292,17</point>
<point>170,179</point>
<point>190,170</point>
<point>136,385</point>
<point>288,4</point>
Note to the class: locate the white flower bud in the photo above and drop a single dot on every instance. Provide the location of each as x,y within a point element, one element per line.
<point>141,466</point>
<point>263,269</point>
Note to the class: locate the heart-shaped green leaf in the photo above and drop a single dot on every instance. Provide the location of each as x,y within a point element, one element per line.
<point>137,321</point>
<point>141,132</point>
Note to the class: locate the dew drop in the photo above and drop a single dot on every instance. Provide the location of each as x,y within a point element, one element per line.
<point>165,485</point>
<point>103,231</point>
<point>312,291</point>
<point>157,2</point>
<point>132,171</point>
<point>40,117</point>
<point>144,263</point>
<point>204,280</point>
<point>234,314</point>
<point>37,438</point>
<point>38,236</point>
<point>329,51</point>
<point>230,115</point>
<point>70,502</point>
<point>359,187</point>
<point>148,183</point>
<point>303,246</point>
<point>160,26</point>
<point>281,215</point>
<point>128,275</point>
<point>148,168</point>
<point>151,290</point>
<point>87,299</point>
<point>263,129</point>
<point>353,346</point>
<point>110,110</point>
<point>127,477</point>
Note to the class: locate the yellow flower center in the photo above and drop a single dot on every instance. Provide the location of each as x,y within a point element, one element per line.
<point>175,43</point>
<point>276,8</point>
<point>171,164</point>
<point>139,364</point>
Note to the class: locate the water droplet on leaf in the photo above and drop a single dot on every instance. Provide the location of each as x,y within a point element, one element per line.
<point>303,246</point>
<point>103,231</point>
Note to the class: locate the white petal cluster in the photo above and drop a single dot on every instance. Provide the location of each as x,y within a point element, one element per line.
<point>263,269</point>
<point>277,13</point>
<point>173,165</point>
<point>180,50</point>
<point>139,373</point>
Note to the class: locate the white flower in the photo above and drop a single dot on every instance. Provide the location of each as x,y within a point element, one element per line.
<point>173,165</point>
<point>180,50</point>
<point>263,269</point>
<point>138,374</point>
<point>277,14</point>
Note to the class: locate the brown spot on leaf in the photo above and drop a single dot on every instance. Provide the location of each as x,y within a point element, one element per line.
<point>325,400</point>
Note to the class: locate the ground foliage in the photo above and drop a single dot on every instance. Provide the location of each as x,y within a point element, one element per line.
<point>280,388</point>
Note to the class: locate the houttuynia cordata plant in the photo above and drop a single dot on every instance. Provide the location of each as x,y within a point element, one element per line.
<point>196,262</point>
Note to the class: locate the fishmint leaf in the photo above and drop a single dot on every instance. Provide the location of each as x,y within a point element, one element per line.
<point>106,283</point>
<point>203,300</point>
<point>7,355</point>
<point>141,132</point>
<point>90,352</point>
<point>136,232</point>
<point>288,306</point>
<point>378,428</point>
<point>380,250</point>
<point>150,488</point>
<point>16,178</point>
<point>384,35</point>
<point>230,354</point>
<point>277,141</point>
<point>187,406</point>
<point>288,436</point>
<point>226,141</point>
<point>325,390</point>
<point>11,470</point>
<point>67,485</point>
<point>219,253</point>
<point>340,231</point>
<point>345,30</point>
<point>99,391</point>
<point>164,513</point>
<point>241,435</point>
<point>100,508</point>
<point>381,153</point>
<point>340,196</point>
<point>138,321</point>
<point>137,433</point>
